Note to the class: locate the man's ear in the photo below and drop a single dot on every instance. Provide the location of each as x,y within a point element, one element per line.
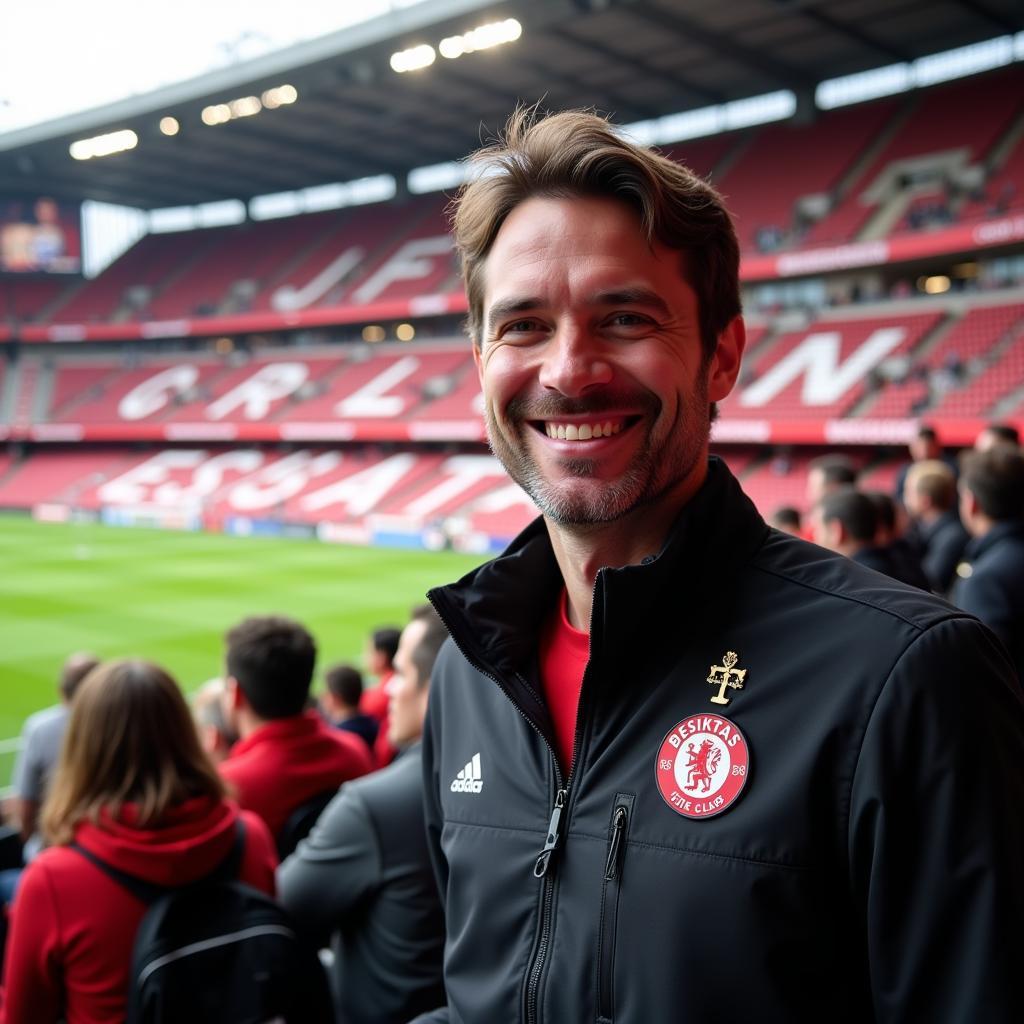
<point>478,361</point>
<point>233,694</point>
<point>725,363</point>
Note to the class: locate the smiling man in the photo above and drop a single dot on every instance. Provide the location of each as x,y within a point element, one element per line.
<point>666,776</point>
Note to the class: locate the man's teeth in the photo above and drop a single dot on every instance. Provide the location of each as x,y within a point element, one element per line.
<point>581,431</point>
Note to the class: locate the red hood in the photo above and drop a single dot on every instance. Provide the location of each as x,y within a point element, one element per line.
<point>191,840</point>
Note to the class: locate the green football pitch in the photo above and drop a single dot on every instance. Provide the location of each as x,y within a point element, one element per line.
<point>169,597</point>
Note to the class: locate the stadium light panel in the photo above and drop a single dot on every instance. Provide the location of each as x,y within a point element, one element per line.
<point>215,215</point>
<point>485,37</point>
<point>280,96</point>
<point>172,218</point>
<point>334,196</point>
<point>413,59</point>
<point>103,145</point>
<point>169,125</point>
<point>405,332</point>
<point>247,106</point>
<point>436,177</point>
<point>374,333</point>
<point>937,67</point>
<point>723,117</point>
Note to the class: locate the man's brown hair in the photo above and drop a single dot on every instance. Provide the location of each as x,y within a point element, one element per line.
<point>934,480</point>
<point>575,153</point>
<point>130,739</point>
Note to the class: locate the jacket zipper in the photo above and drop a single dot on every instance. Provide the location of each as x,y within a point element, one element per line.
<point>542,868</point>
<point>610,910</point>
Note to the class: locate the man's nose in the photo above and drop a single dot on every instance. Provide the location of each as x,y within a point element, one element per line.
<point>574,361</point>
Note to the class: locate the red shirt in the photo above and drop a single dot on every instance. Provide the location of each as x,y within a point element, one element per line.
<point>375,702</point>
<point>72,926</point>
<point>288,761</point>
<point>564,652</point>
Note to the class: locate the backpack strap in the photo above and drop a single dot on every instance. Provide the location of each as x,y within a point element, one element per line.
<point>148,892</point>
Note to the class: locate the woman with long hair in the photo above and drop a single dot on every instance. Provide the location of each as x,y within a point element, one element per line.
<point>134,789</point>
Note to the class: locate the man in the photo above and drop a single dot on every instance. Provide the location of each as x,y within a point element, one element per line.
<point>680,766</point>
<point>991,577</point>
<point>891,539</point>
<point>42,735</point>
<point>340,703</point>
<point>787,518</point>
<point>215,735</point>
<point>924,446</point>
<point>379,657</point>
<point>929,496</point>
<point>828,473</point>
<point>364,874</point>
<point>286,755</point>
<point>997,434</point>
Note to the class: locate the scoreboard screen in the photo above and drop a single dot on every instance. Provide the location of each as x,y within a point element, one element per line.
<point>40,235</point>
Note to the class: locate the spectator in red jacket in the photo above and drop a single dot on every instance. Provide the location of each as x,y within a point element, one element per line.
<point>380,662</point>
<point>134,788</point>
<point>286,755</point>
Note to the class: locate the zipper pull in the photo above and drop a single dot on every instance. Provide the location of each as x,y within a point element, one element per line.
<point>540,869</point>
<point>611,865</point>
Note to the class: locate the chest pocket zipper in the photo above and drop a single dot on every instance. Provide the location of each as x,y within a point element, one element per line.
<point>611,887</point>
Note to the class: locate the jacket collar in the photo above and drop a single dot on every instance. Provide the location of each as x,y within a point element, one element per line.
<point>495,613</point>
<point>999,532</point>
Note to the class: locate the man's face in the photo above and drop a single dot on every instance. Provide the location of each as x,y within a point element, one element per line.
<point>817,487</point>
<point>407,704</point>
<point>595,392</point>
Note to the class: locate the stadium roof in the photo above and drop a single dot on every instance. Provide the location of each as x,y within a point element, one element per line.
<point>355,117</point>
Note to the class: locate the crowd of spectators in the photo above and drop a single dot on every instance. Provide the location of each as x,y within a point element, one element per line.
<point>952,526</point>
<point>146,797</point>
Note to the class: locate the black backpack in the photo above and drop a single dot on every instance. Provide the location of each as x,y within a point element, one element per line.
<point>218,951</point>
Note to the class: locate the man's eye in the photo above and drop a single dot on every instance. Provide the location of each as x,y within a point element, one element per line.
<point>520,326</point>
<point>629,320</point>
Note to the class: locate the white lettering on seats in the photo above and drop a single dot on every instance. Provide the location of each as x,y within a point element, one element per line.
<point>288,298</point>
<point>410,262</point>
<point>817,358</point>
<point>209,476</point>
<point>132,487</point>
<point>371,399</point>
<point>361,492</point>
<point>461,473</point>
<point>154,393</point>
<point>281,480</point>
<point>255,394</point>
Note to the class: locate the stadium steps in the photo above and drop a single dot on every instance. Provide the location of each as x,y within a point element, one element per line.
<point>1003,149</point>
<point>848,186</point>
<point>297,259</point>
<point>8,388</point>
<point>48,314</point>
<point>88,394</point>
<point>46,376</point>
<point>26,375</point>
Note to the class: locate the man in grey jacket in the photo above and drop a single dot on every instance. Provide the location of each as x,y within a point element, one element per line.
<point>363,876</point>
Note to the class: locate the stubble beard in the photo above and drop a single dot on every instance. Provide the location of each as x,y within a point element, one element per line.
<point>581,500</point>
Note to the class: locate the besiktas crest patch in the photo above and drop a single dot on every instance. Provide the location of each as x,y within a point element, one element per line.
<point>702,766</point>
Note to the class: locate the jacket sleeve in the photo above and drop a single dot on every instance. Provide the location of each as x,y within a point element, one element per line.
<point>334,868</point>
<point>33,974</point>
<point>983,595</point>
<point>438,1016</point>
<point>936,837</point>
<point>432,811</point>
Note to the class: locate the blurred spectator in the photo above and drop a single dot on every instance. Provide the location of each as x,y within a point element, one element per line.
<point>991,576</point>
<point>215,735</point>
<point>929,496</point>
<point>364,873</point>
<point>286,755</point>
<point>379,658</point>
<point>787,519</point>
<point>995,434</point>
<point>846,521</point>
<point>134,789</point>
<point>904,561</point>
<point>340,703</point>
<point>41,739</point>
<point>924,445</point>
<point>828,473</point>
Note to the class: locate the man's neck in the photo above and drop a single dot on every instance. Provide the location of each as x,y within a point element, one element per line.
<point>582,551</point>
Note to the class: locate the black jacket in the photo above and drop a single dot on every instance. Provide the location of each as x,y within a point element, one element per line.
<point>363,876</point>
<point>992,586</point>
<point>870,869</point>
<point>942,544</point>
